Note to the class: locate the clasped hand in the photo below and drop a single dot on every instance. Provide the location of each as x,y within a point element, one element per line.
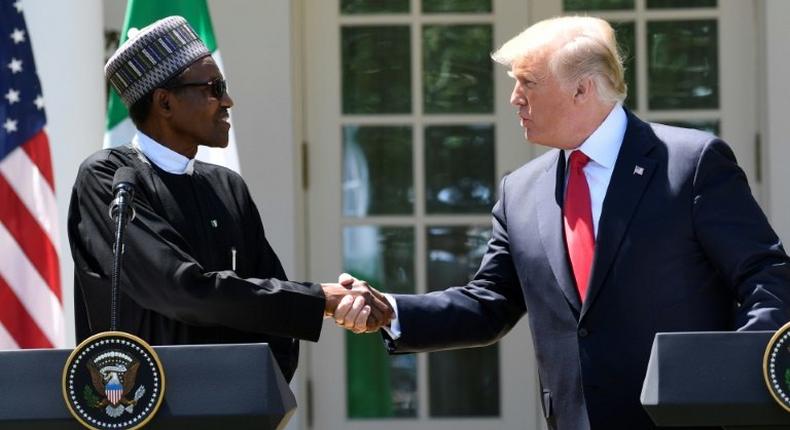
<point>356,306</point>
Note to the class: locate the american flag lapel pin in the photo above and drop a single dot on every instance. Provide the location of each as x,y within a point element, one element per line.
<point>639,170</point>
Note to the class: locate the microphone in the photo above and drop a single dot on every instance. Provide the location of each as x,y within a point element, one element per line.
<point>123,184</point>
<point>121,211</point>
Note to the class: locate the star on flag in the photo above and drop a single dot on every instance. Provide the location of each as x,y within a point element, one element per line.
<point>15,65</point>
<point>18,36</point>
<point>10,125</point>
<point>12,95</point>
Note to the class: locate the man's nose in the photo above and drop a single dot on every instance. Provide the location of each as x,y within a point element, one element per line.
<point>517,96</point>
<point>227,101</point>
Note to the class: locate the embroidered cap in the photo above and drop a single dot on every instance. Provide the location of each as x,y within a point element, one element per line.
<point>151,56</point>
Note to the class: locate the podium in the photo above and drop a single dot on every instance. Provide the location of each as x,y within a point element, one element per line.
<point>711,379</point>
<point>207,387</point>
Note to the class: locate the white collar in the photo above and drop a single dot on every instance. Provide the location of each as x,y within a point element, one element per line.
<point>164,157</point>
<point>604,144</point>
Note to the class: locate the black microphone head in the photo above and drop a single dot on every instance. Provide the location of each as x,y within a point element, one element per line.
<point>123,184</point>
<point>124,176</point>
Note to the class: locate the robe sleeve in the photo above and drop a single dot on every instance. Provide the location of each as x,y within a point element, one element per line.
<point>159,273</point>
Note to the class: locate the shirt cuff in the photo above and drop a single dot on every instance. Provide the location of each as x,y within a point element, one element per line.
<point>393,330</point>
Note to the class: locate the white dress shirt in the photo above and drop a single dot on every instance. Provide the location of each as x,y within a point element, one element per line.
<point>164,157</point>
<point>602,148</point>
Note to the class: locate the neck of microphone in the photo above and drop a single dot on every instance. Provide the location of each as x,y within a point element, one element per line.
<point>121,211</point>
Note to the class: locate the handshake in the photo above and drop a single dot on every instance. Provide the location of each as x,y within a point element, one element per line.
<point>356,306</point>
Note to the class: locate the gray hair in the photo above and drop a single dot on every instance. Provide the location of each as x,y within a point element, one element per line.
<point>578,47</point>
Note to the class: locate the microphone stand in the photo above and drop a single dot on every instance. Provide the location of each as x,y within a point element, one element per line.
<point>121,207</point>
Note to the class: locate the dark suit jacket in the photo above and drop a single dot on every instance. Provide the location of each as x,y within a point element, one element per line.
<point>683,246</point>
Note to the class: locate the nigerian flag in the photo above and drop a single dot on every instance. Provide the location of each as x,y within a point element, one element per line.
<point>140,13</point>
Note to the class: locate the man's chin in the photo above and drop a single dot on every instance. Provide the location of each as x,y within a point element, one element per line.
<point>219,143</point>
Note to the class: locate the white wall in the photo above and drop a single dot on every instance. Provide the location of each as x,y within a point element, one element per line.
<point>68,51</point>
<point>776,127</point>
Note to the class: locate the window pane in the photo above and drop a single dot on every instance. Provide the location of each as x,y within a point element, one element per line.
<point>383,256</point>
<point>379,385</point>
<point>683,64</point>
<point>712,126</point>
<point>460,172</point>
<point>626,39</point>
<point>377,171</point>
<point>376,69</point>
<point>463,382</point>
<point>348,7</point>
<point>679,4</point>
<point>574,5</point>
<point>434,6</point>
<point>454,254</point>
<point>458,72</point>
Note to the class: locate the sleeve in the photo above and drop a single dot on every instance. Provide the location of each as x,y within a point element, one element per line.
<point>740,242</point>
<point>160,275</point>
<point>476,314</point>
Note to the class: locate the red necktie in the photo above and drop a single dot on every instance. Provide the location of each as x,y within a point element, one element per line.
<point>578,222</point>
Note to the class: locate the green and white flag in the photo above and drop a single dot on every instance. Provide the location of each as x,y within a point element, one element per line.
<point>140,13</point>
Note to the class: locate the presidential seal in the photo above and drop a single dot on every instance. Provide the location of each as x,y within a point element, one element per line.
<point>113,380</point>
<point>776,366</point>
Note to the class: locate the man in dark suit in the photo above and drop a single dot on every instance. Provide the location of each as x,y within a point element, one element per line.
<point>624,230</point>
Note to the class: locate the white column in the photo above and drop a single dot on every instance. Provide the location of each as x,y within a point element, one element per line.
<point>776,127</point>
<point>67,40</point>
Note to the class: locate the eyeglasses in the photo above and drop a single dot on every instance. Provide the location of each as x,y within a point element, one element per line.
<point>219,86</point>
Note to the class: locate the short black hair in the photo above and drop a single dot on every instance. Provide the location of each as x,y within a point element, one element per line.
<point>139,111</point>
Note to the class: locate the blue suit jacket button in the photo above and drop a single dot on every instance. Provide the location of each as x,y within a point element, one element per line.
<point>583,332</point>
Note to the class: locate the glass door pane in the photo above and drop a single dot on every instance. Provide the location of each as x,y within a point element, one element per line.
<point>379,386</point>
<point>377,171</point>
<point>376,69</point>
<point>683,64</point>
<point>457,69</point>
<point>459,177</point>
<point>462,382</point>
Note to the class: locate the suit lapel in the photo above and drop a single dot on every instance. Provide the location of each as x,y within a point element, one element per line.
<point>549,197</point>
<point>633,171</point>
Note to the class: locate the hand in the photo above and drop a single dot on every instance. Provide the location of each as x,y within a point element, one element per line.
<point>352,315</point>
<point>356,305</point>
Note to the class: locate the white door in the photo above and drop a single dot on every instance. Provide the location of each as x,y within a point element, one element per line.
<point>409,130</point>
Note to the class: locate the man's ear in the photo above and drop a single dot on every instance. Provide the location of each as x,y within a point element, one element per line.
<point>162,102</point>
<point>584,90</point>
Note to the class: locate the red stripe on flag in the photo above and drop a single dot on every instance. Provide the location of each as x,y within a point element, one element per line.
<point>37,148</point>
<point>17,321</point>
<point>32,239</point>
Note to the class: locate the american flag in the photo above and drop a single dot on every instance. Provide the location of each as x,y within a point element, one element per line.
<point>31,307</point>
